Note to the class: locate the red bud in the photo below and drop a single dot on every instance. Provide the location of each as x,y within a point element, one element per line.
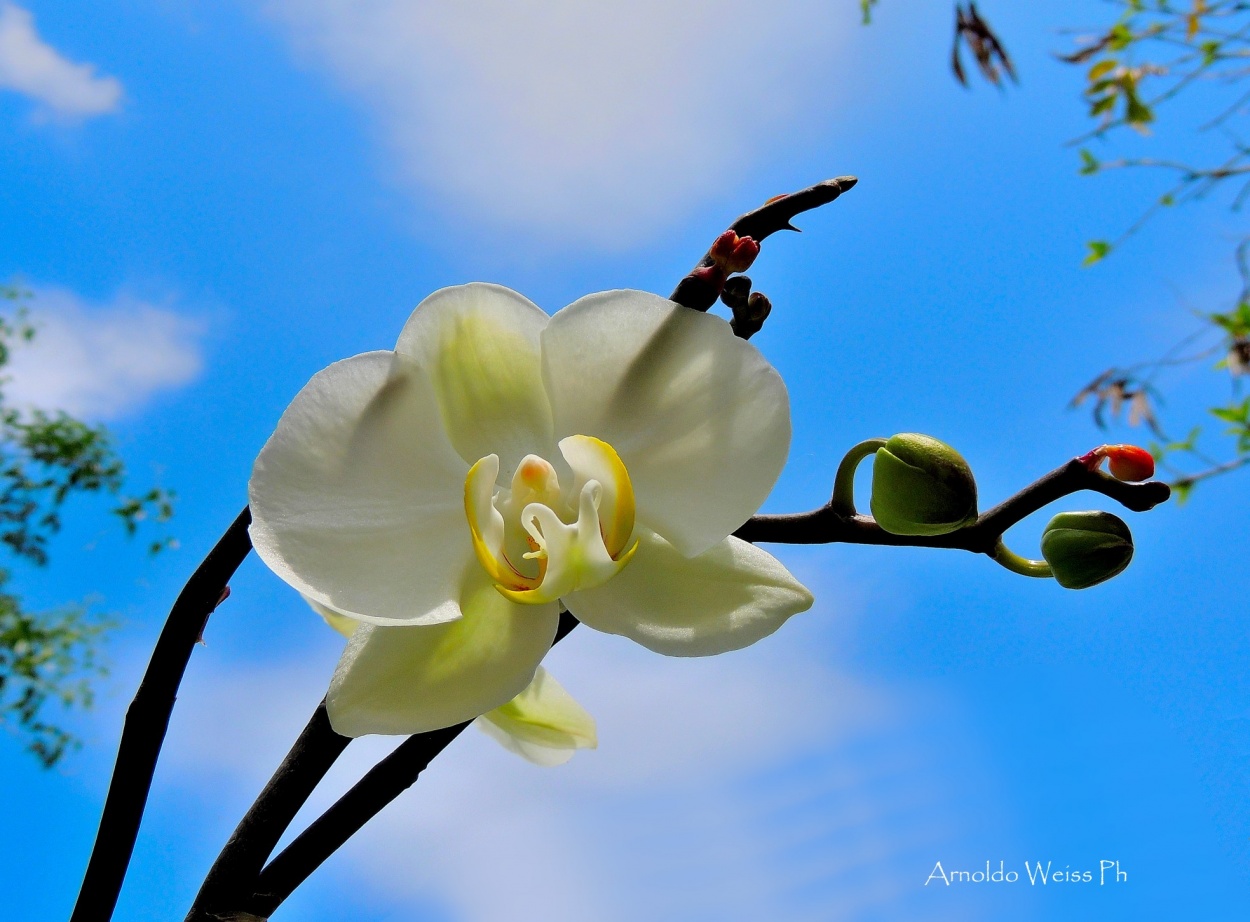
<point>1127,462</point>
<point>1130,463</point>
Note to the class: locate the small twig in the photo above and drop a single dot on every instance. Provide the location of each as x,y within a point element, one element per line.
<point>147,720</point>
<point>1188,480</point>
<point>230,880</point>
<point>827,526</point>
<point>1190,173</point>
<point>774,215</point>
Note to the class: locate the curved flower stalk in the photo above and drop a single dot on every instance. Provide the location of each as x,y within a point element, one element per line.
<point>543,724</point>
<point>451,494</point>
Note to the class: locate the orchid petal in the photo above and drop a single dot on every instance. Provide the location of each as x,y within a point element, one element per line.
<point>543,724</point>
<point>723,599</point>
<point>699,418</point>
<point>403,680</point>
<point>480,345</point>
<point>357,497</point>
<point>337,620</point>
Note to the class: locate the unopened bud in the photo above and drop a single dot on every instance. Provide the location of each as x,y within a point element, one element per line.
<point>758,307</point>
<point>921,486</point>
<point>736,292</point>
<point>1126,462</point>
<point>733,253</point>
<point>1086,548</point>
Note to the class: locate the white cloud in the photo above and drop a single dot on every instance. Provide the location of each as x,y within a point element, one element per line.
<point>760,785</point>
<point>584,120</point>
<point>35,69</point>
<point>101,360</point>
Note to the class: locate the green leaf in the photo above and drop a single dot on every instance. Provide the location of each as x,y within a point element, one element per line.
<point>1121,37</point>
<point>1102,105</point>
<point>1103,67</point>
<point>1098,249</point>
<point>1089,163</point>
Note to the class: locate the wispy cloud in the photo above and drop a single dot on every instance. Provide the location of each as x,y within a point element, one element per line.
<point>30,66</point>
<point>101,360</point>
<point>589,121</point>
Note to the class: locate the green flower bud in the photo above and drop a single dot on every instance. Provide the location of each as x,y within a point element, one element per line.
<point>921,486</point>
<point>1086,548</point>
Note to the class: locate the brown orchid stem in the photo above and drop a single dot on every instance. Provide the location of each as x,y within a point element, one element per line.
<point>254,839</point>
<point>400,770</point>
<point>241,885</point>
<point>829,525</point>
<point>238,888</point>
<point>147,720</point>
<point>774,215</point>
<point>379,786</point>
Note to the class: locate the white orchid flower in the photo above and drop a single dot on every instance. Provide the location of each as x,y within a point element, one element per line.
<point>453,493</point>
<point>543,724</point>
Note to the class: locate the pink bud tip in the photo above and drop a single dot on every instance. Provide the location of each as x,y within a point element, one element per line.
<point>733,253</point>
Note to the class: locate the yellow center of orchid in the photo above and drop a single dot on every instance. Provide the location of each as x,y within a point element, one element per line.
<point>539,541</point>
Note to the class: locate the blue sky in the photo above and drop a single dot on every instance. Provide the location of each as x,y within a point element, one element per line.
<point>213,201</point>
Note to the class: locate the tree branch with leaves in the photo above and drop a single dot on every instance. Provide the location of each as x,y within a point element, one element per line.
<point>48,459</point>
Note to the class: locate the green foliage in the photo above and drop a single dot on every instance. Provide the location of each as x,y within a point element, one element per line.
<point>1235,323</point>
<point>1238,414</point>
<point>47,458</point>
<point>865,10</point>
<point>1151,55</point>
<point>1098,249</point>
<point>46,660</point>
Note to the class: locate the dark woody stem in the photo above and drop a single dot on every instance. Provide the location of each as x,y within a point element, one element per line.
<point>256,836</point>
<point>235,868</point>
<point>325,835</point>
<point>240,885</point>
<point>238,888</point>
<point>827,525</point>
<point>147,719</point>
<point>774,215</point>
<point>400,770</point>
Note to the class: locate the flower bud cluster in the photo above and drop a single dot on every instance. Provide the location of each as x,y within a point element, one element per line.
<point>921,486</point>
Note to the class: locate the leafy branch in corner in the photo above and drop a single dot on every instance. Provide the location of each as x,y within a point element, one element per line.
<point>47,458</point>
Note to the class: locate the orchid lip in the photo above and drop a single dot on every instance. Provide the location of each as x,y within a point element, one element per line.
<point>539,542</point>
